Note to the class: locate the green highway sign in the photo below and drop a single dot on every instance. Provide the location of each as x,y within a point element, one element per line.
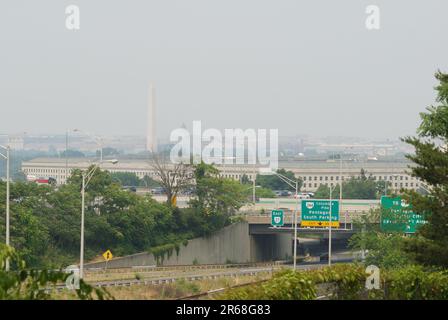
<point>316,213</point>
<point>398,216</point>
<point>277,218</point>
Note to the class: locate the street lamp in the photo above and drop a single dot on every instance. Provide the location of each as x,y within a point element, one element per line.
<point>330,225</point>
<point>7,158</point>
<point>86,177</point>
<point>293,184</point>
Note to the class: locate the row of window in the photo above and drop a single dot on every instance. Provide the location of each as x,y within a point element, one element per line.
<point>336,178</point>
<point>396,185</point>
<point>42,171</point>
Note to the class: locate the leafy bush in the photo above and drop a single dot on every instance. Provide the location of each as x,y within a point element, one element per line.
<point>285,285</point>
<point>22,284</point>
<point>413,283</point>
<point>346,282</point>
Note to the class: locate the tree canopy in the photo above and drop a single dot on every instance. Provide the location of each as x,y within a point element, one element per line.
<point>273,182</point>
<point>362,187</point>
<point>45,220</point>
<point>431,167</point>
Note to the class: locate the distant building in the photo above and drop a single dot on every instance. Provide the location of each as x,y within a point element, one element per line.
<point>312,173</point>
<point>16,143</point>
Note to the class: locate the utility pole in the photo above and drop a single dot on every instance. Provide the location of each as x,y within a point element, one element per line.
<point>295,225</point>
<point>8,178</point>
<point>86,176</point>
<point>81,255</point>
<point>293,184</point>
<point>329,231</point>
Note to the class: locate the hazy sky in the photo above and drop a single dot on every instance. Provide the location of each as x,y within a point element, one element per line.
<point>304,67</point>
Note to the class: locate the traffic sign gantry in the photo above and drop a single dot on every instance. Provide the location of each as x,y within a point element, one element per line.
<point>108,255</point>
<point>316,213</point>
<point>277,219</point>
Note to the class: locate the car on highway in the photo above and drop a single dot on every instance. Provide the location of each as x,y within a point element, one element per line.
<point>302,196</point>
<point>158,190</point>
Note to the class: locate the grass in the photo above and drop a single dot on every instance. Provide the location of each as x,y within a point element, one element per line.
<point>180,288</point>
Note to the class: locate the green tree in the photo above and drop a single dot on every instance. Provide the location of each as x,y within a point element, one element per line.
<point>128,179</point>
<point>21,283</point>
<point>217,198</point>
<point>362,187</point>
<point>431,167</point>
<point>273,182</point>
<point>72,154</point>
<point>381,249</point>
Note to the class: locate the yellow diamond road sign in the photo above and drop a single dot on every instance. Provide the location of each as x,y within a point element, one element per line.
<point>108,255</point>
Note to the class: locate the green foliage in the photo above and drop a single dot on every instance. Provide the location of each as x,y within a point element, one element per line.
<point>187,287</point>
<point>431,167</point>
<point>166,251</point>
<point>126,179</point>
<point>216,198</point>
<point>72,154</point>
<point>261,192</point>
<point>285,285</point>
<point>45,221</point>
<point>382,249</point>
<point>346,282</point>
<point>22,284</point>
<point>361,187</point>
<point>273,182</point>
<point>414,283</point>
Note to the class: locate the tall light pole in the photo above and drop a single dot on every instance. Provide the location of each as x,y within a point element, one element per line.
<point>254,181</point>
<point>330,226</point>
<point>7,158</point>
<point>86,177</point>
<point>294,184</point>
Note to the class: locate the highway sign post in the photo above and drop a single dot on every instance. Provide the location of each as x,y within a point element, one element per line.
<point>316,213</point>
<point>107,256</point>
<point>277,218</point>
<point>397,216</point>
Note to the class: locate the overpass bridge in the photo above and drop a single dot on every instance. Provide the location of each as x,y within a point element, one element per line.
<point>268,243</point>
<point>349,211</point>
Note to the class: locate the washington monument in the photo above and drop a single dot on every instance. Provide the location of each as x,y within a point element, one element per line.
<point>151,134</point>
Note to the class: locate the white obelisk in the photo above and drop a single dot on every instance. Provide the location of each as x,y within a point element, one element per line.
<point>151,135</point>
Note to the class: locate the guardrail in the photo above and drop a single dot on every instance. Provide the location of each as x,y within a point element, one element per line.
<point>180,267</point>
<point>166,280</point>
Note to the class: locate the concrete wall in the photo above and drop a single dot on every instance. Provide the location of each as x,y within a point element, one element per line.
<point>232,243</point>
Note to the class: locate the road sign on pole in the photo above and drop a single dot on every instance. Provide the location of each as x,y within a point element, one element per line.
<point>277,218</point>
<point>397,216</point>
<point>108,255</point>
<point>316,213</point>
